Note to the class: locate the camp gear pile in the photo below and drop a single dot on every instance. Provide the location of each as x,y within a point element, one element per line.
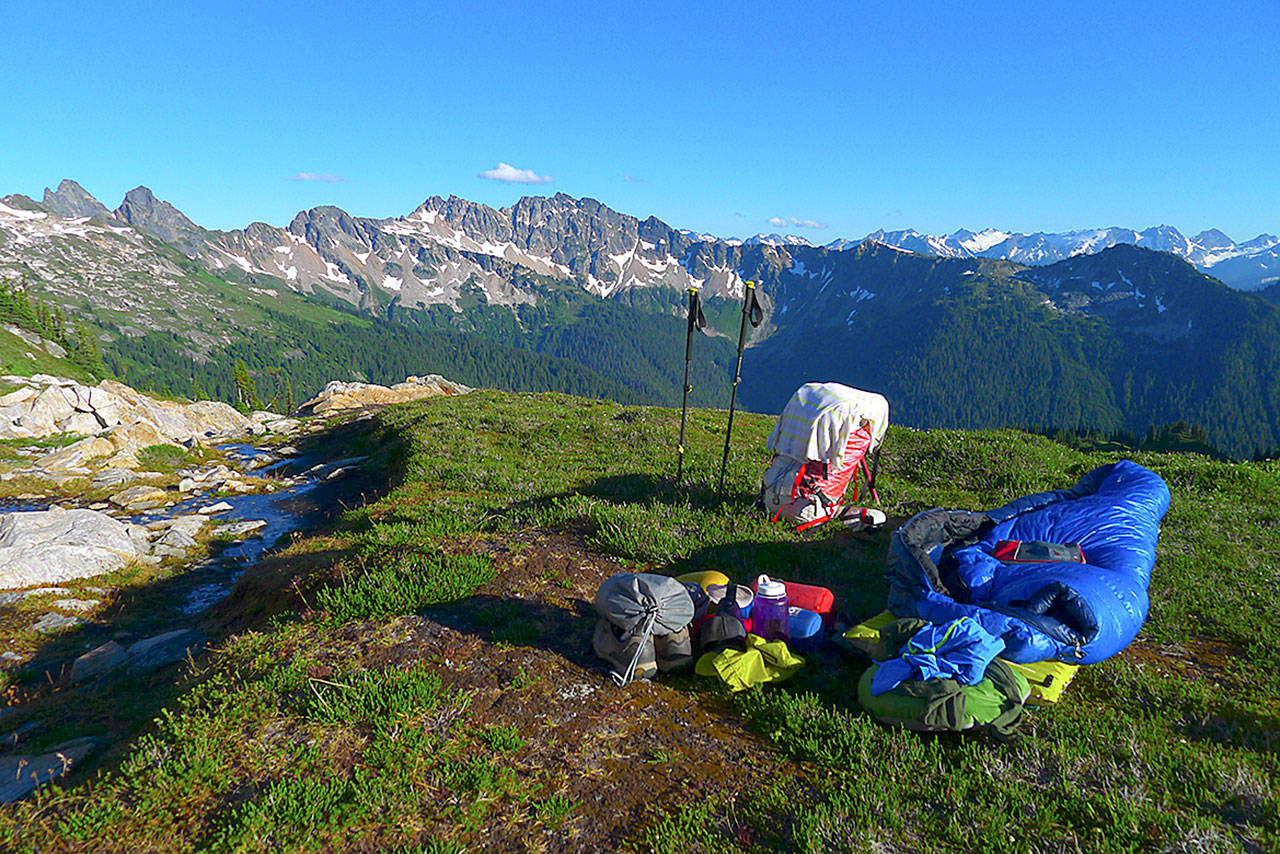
<point>652,624</point>
<point>987,610</point>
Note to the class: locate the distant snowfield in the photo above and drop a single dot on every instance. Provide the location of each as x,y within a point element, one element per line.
<point>1047,248</point>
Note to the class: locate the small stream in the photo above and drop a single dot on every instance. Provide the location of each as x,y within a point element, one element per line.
<point>285,511</point>
<point>292,507</point>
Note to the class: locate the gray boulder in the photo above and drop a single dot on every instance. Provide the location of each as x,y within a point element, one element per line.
<point>176,538</point>
<point>76,604</point>
<point>141,494</point>
<point>52,622</point>
<point>191,525</point>
<point>51,546</point>
<point>164,649</point>
<point>98,661</point>
<point>240,529</point>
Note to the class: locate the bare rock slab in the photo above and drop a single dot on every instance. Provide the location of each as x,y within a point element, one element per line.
<point>338,396</point>
<point>175,538</point>
<point>98,661</point>
<point>51,546</point>
<point>138,495</point>
<point>54,622</point>
<point>80,605</point>
<point>164,649</point>
<point>240,529</point>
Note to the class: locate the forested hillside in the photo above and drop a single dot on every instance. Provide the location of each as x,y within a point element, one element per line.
<point>595,355</point>
<point>567,295</point>
<point>1126,340</point>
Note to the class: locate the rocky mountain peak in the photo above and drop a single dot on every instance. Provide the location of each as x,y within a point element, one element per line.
<point>161,220</point>
<point>71,200</point>
<point>1213,239</point>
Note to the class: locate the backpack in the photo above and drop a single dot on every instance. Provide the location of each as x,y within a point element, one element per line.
<point>820,444</point>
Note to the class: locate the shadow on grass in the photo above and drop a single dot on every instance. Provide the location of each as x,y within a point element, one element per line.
<point>526,623</point>
<point>640,489</point>
<point>850,564</point>
<point>829,672</point>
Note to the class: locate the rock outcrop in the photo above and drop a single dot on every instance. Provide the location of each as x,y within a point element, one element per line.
<point>117,420</point>
<point>338,396</point>
<point>55,545</point>
<point>21,775</point>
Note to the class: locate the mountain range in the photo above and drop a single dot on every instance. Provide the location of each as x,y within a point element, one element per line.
<point>1109,330</point>
<point>1251,265</point>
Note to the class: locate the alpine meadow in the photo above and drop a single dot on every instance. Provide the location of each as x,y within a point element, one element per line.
<point>645,428</point>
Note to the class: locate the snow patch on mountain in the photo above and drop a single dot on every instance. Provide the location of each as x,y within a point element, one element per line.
<point>1211,251</point>
<point>18,213</point>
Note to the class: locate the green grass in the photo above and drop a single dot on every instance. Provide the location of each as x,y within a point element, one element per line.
<point>19,358</point>
<point>329,729</point>
<point>163,458</point>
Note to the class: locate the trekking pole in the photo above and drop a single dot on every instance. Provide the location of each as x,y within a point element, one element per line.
<point>750,309</point>
<point>699,321</point>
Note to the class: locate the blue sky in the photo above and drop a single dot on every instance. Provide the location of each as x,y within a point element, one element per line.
<point>713,116</point>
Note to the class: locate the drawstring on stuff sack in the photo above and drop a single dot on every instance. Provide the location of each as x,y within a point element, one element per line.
<point>630,673</point>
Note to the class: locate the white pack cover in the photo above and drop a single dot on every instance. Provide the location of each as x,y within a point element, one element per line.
<point>817,421</point>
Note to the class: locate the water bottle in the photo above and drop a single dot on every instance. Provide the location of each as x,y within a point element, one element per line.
<point>770,615</point>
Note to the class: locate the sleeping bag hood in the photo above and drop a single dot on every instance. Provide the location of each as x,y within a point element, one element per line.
<point>1060,574</point>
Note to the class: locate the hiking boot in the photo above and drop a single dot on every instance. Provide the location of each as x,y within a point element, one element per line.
<point>619,651</point>
<point>673,651</point>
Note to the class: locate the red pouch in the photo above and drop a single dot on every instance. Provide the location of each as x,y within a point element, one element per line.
<point>811,597</point>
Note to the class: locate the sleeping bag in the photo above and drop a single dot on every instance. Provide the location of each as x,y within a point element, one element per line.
<point>1059,574</point>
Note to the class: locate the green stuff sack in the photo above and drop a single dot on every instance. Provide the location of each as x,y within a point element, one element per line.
<point>944,705</point>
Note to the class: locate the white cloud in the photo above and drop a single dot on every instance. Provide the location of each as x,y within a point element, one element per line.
<point>777,221</point>
<point>630,180</point>
<point>316,176</point>
<point>512,175</point>
<point>806,223</point>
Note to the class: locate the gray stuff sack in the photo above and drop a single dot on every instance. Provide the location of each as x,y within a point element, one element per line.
<point>643,605</point>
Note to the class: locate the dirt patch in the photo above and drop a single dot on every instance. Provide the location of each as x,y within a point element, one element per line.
<point>1218,663</point>
<point>520,649</point>
<point>1202,658</point>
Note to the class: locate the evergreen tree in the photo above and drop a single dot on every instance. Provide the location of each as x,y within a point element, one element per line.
<point>246,392</point>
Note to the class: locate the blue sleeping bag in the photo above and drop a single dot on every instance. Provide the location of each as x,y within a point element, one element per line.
<point>1059,574</point>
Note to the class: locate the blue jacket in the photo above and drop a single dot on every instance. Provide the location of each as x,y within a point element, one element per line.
<point>959,650</point>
